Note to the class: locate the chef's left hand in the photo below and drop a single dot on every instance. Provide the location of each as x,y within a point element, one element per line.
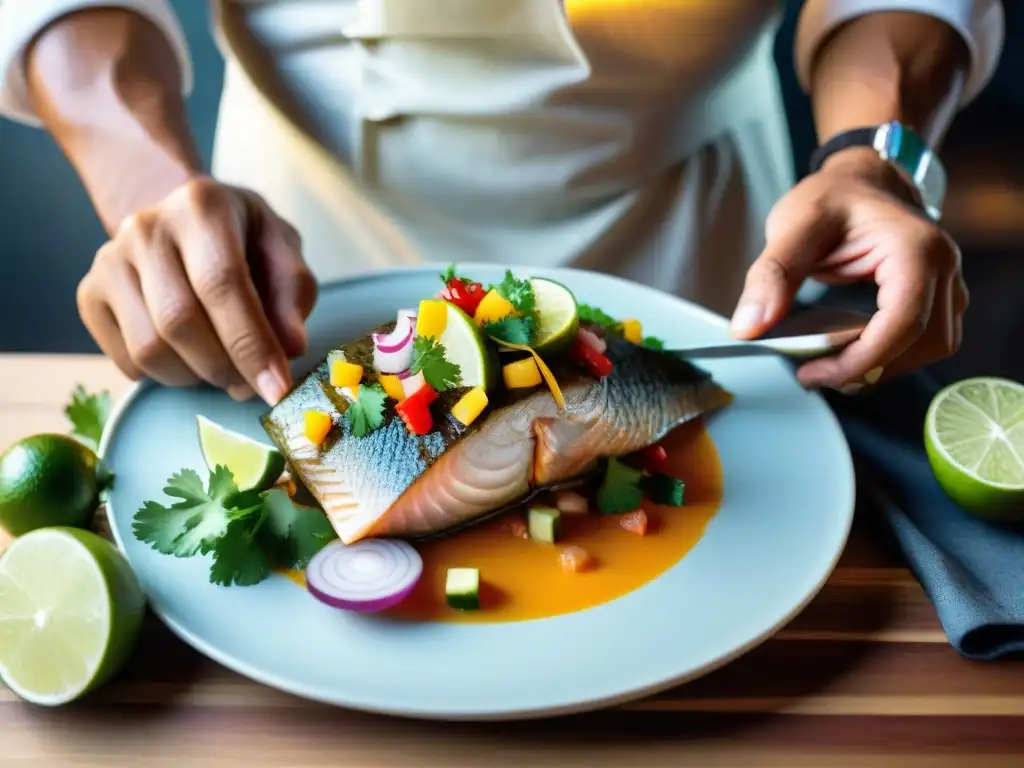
<point>855,220</point>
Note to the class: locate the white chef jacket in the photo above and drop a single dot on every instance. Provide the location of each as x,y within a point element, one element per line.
<point>644,138</point>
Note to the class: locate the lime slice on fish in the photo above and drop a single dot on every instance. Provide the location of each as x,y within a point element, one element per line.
<point>557,315</point>
<point>70,611</point>
<point>974,438</point>
<point>465,347</point>
<point>252,463</point>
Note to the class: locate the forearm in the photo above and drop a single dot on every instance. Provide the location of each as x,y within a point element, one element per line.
<point>888,66</point>
<point>106,84</point>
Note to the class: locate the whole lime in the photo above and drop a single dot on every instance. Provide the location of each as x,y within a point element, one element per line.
<point>47,480</point>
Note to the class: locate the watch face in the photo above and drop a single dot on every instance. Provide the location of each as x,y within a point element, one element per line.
<point>909,152</point>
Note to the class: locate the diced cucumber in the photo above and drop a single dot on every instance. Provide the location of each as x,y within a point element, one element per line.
<point>462,588</point>
<point>544,524</point>
<point>665,490</point>
<point>619,492</point>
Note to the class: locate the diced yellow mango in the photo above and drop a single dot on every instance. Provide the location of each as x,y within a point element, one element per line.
<point>392,386</point>
<point>317,425</point>
<point>432,318</point>
<point>470,406</point>
<point>633,331</point>
<point>492,307</point>
<point>522,373</point>
<point>345,374</point>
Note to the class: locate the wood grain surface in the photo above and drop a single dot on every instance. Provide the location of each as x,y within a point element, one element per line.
<point>863,677</point>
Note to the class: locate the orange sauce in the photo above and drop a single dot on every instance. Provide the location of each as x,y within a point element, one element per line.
<point>523,579</point>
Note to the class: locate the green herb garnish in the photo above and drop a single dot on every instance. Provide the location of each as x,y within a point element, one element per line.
<point>449,274</point>
<point>428,358</point>
<point>512,329</point>
<point>249,534</point>
<point>598,317</point>
<point>653,342</point>
<point>366,412</point>
<point>88,415</point>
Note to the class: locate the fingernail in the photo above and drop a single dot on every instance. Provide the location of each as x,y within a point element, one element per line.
<point>748,316</point>
<point>271,386</point>
<point>851,389</point>
<point>874,374</point>
<point>240,392</point>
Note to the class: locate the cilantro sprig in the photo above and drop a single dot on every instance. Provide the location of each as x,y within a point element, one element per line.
<point>513,329</point>
<point>88,415</point>
<point>249,534</point>
<point>449,274</point>
<point>366,412</point>
<point>428,358</point>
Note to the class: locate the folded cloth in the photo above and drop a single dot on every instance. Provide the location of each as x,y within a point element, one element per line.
<point>972,570</point>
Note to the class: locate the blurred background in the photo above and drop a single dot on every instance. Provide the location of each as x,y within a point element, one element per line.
<point>49,233</point>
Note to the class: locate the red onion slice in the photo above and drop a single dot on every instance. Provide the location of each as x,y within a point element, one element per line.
<point>368,576</point>
<point>412,384</point>
<point>593,341</point>
<point>397,339</point>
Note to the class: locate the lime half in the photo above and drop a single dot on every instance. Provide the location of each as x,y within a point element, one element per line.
<point>70,611</point>
<point>252,463</point>
<point>974,437</point>
<point>557,315</point>
<point>465,347</point>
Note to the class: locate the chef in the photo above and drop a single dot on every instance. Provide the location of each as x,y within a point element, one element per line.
<point>643,138</point>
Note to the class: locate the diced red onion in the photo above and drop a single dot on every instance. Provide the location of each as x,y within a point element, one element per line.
<point>412,384</point>
<point>593,341</point>
<point>368,576</point>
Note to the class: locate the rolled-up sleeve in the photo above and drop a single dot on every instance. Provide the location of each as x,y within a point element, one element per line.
<point>22,20</point>
<point>980,22</point>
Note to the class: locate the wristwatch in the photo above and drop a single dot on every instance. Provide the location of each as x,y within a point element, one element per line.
<point>904,150</point>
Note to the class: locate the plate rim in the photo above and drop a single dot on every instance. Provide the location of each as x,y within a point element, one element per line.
<point>634,693</point>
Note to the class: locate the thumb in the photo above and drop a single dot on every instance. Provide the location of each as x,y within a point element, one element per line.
<point>797,237</point>
<point>285,284</point>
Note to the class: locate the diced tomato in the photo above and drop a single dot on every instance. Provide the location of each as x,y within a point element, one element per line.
<point>635,522</point>
<point>465,295</point>
<point>595,363</point>
<point>516,526</point>
<point>576,559</point>
<point>653,458</point>
<point>415,410</point>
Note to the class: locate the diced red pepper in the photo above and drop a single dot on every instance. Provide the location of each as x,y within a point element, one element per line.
<point>415,410</point>
<point>596,363</point>
<point>653,459</point>
<point>466,296</point>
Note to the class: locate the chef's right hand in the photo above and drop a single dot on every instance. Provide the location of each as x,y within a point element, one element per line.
<point>207,285</point>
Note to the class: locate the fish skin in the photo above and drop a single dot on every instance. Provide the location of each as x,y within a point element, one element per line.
<point>392,483</point>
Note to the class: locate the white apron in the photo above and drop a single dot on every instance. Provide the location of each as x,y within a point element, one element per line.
<point>644,138</point>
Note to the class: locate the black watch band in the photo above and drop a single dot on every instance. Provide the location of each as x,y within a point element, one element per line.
<point>856,137</point>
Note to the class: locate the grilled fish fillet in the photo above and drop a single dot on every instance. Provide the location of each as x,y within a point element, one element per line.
<point>392,483</point>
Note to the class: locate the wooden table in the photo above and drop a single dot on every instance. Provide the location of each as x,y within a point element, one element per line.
<point>864,677</point>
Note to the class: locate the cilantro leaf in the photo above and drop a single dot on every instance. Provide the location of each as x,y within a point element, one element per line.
<point>237,559</point>
<point>196,522</point>
<point>620,490</point>
<point>366,412</point>
<point>512,329</point>
<point>598,317</point>
<point>449,274</point>
<point>294,533</point>
<point>653,342</point>
<point>519,293</point>
<point>428,358</point>
<point>88,414</point>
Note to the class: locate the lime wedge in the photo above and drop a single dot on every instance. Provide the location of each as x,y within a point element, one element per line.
<point>974,438</point>
<point>70,611</point>
<point>465,347</point>
<point>557,315</point>
<point>253,464</point>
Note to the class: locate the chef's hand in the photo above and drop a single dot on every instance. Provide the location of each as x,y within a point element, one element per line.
<point>856,220</point>
<point>208,285</point>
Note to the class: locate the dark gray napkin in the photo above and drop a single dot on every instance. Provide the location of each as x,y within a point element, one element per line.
<point>973,571</point>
